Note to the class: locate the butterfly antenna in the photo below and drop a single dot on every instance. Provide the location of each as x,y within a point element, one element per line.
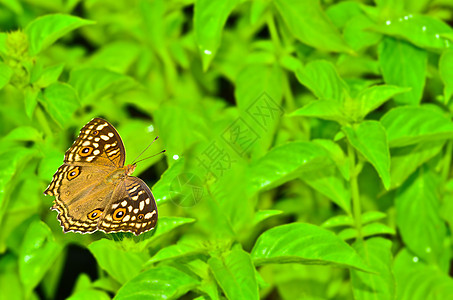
<point>145,150</point>
<point>149,157</point>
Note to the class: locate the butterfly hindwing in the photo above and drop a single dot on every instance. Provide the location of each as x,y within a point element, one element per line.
<point>133,210</point>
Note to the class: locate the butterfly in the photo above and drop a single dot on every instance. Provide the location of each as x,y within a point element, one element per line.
<point>94,190</point>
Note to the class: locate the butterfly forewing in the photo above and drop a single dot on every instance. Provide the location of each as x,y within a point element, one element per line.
<point>133,210</point>
<point>98,142</point>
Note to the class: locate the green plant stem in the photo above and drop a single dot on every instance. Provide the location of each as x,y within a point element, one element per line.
<point>274,34</point>
<point>355,191</point>
<point>447,161</point>
<point>287,93</point>
<point>43,121</point>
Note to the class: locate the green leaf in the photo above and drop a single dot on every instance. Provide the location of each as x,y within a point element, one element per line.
<point>372,97</point>
<point>49,75</point>
<point>5,74</point>
<point>421,30</point>
<point>328,181</point>
<point>37,254</point>
<point>446,209</point>
<point>336,154</point>
<point>262,215</point>
<point>257,10</point>
<point>377,228</point>
<point>92,83</point>
<point>357,34</point>
<point>403,65</point>
<point>367,230</point>
<point>44,31</point>
<point>164,225</point>
<point>316,29</point>
<point>184,248</point>
<point>411,125</point>
<point>341,12</point>
<point>172,115</point>
<point>10,284</point>
<point>23,133</point>
<point>209,19</point>
<point>61,102</point>
<point>323,109</point>
<point>338,221</point>
<point>83,289</point>
<point>108,56</point>
<point>323,81</point>
<point>163,190</point>
<point>418,217</point>
<point>376,252</point>
<point>163,282</point>
<point>369,138</point>
<point>372,216</point>
<point>405,160</point>
<point>235,273</point>
<point>258,96</point>
<point>88,294</point>
<point>109,253</point>
<point>10,163</point>
<point>30,99</point>
<point>446,73</point>
<point>284,163</point>
<point>306,244</point>
<point>3,44</point>
<point>418,281</point>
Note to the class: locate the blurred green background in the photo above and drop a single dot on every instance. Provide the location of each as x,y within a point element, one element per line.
<point>308,144</point>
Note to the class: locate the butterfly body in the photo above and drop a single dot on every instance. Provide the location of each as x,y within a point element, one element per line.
<point>94,190</point>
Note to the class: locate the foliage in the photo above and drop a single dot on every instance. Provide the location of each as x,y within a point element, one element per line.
<point>308,142</point>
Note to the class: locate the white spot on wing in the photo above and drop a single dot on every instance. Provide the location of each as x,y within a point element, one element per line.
<point>142,205</point>
<point>150,214</point>
<point>101,126</point>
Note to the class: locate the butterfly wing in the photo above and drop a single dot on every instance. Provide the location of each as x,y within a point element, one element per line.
<point>98,142</point>
<point>81,195</point>
<point>133,209</point>
<point>78,185</point>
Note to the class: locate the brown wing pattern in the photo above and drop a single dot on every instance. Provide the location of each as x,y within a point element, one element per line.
<point>98,143</point>
<point>79,191</point>
<point>133,210</point>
